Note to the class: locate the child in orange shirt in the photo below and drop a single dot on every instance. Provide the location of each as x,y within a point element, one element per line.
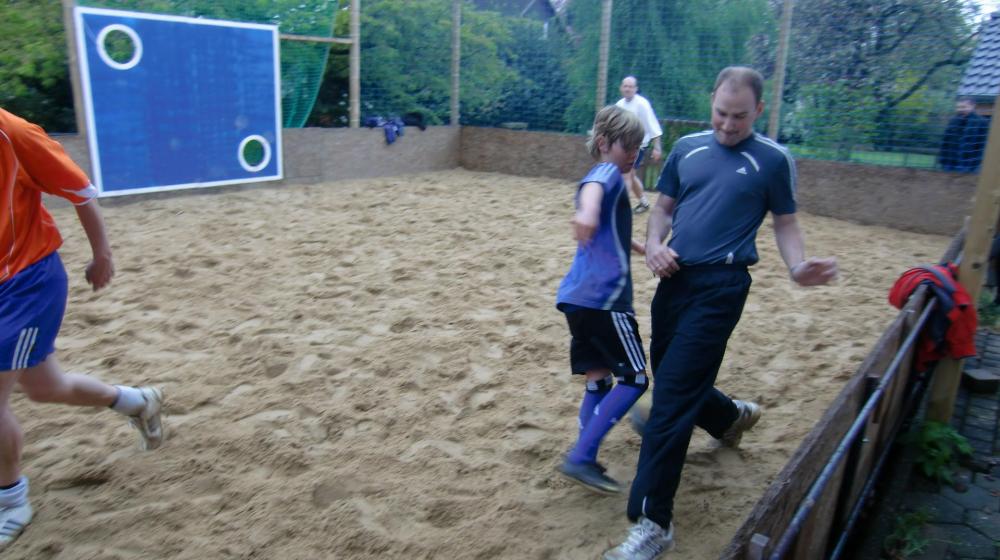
<point>33,289</point>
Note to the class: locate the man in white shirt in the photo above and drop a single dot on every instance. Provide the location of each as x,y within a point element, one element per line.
<point>635,103</point>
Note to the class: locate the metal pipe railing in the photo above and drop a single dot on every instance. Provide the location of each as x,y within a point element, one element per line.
<point>795,526</point>
<point>912,400</point>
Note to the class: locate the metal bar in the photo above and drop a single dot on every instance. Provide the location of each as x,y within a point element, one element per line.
<point>795,526</point>
<point>315,39</point>
<point>911,400</point>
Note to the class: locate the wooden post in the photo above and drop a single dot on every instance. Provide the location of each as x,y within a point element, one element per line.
<point>975,259</point>
<point>781,59</point>
<point>355,65</point>
<point>69,22</point>
<point>602,59</point>
<point>456,60</point>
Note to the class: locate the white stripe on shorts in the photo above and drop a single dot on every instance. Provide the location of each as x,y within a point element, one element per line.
<point>31,346</point>
<point>17,349</point>
<point>25,343</point>
<point>627,338</point>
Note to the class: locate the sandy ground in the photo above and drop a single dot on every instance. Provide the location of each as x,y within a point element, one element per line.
<point>375,369</point>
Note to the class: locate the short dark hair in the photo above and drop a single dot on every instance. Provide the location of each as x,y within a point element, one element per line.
<point>742,76</point>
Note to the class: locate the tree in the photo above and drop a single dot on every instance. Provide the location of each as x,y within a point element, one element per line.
<point>878,55</point>
<point>34,78</point>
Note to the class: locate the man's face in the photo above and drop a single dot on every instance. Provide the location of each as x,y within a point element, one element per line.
<point>964,107</point>
<point>628,88</point>
<point>734,111</point>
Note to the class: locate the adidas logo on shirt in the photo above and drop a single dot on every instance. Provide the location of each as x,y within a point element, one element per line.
<point>742,171</point>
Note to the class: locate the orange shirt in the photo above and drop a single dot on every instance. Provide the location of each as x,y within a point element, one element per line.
<point>32,163</point>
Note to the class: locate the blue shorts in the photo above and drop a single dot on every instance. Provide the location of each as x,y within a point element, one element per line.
<point>32,304</point>
<point>638,158</point>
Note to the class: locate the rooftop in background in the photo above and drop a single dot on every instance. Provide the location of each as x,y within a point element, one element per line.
<point>982,76</point>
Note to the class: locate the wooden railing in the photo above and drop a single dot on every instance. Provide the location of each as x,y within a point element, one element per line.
<point>812,505</point>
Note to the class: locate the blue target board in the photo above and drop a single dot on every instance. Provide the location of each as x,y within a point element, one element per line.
<point>177,102</point>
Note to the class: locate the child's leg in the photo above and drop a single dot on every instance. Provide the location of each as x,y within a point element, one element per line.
<point>611,409</point>
<point>15,510</point>
<point>46,382</point>
<point>11,438</point>
<point>634,184</point>
<point>599,384</point>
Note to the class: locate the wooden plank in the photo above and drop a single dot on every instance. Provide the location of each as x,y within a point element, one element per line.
<point>456,61</point>
<point>778,77</point>
<point>601,97</point>
<point>815,533</point>
<point>354,68</point>
<point>865,452</point>
<point>315,39</point>
<point>975,259</point>
<point>69,23</point>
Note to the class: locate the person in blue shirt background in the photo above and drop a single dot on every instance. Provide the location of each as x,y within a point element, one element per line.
<point>715,190</point>
<point>596,296</point>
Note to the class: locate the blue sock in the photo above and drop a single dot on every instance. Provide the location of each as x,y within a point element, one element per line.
<point>596,391</point>
<point>612,408</point>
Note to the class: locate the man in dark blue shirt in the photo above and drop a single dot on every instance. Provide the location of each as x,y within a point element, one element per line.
<point>715,190</point>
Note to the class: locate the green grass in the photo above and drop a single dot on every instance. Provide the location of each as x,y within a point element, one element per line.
<point>989,313</point>
<point>897,159</point>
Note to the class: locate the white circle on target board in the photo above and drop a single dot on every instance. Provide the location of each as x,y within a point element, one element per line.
<point>263,161</point>
<point>103,52</point>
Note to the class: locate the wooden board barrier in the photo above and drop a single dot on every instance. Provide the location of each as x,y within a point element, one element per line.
<point>764,527</point>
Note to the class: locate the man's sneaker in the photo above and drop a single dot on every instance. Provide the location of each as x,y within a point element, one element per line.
<point>747,417</point>
<point>591,476</point>
<point>148,422</point>
<point>641,207</point>
<point>12,523</point>
<point>646,541</point>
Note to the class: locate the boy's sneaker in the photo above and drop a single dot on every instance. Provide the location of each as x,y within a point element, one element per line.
<point>646,541</point>
<point>12,523</point>
<point>591,476</point>
<point>748,415</point>
<point>148,421</point>
<point>641,207</point>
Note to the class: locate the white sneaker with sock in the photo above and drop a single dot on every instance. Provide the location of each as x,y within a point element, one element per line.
<point>148,421</point>
<point>646,541</point>
<point>15,512</point>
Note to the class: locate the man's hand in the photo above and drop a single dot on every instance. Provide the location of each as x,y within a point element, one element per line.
<point>661,259</point>
<point>814,272</point>
<point>657,154</point>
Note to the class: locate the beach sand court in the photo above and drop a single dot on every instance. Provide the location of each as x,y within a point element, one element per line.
<point>376,369</point>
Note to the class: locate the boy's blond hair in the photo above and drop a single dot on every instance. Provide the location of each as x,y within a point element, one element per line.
<point>615,124</point>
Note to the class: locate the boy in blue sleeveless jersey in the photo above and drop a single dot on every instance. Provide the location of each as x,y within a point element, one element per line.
<point>596,296</point>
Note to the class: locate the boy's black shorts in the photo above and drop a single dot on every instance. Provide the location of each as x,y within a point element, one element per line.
<point>605,339</point>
